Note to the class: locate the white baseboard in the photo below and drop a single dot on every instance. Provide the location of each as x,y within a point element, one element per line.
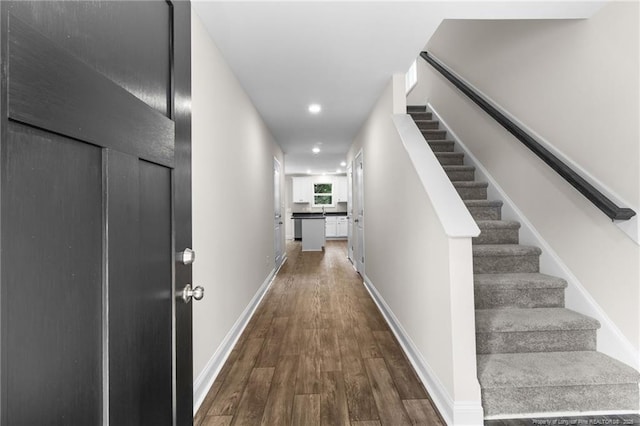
<point>457,413</point>
<point>205,379</point>
<point>611,341</point>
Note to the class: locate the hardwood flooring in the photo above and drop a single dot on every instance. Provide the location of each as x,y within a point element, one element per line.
<point>317,352</point>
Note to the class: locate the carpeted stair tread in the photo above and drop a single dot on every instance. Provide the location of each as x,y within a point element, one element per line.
<point>518,281</point>
<point>549,369</point>
<point>421,115</point>
<point>427,124</point>
<point>498,224</point>
<point>450,158</point>
<point>481,203</point>
<point>434,134</point>
<point>497,250</point>
<point>484,209</point>
<point>460,168</point>
<point>469,184</point>
<point>538,319</point>
<point>416,108</point>
<point>441,145</point>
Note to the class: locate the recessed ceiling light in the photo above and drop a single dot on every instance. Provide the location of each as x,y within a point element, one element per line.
<point>338,171</point>
<point>315,108</point>
<point>343,164</point>
<point>308,171</point>
<point>315,150</point>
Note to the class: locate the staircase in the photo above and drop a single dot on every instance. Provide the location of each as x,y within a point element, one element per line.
<point>534,355</point>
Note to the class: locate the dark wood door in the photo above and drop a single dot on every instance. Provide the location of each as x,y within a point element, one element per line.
<point>94,204</point>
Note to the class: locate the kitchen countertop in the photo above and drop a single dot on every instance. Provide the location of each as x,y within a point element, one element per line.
<point>312,215</point>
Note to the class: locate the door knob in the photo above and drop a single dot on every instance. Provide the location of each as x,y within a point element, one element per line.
<point>187,257</point>
<point>188,293</point>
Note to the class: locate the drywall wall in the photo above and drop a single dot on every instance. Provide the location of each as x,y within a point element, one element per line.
<point>233,200</point>
<point>575,83</point>
<point>408,258</point>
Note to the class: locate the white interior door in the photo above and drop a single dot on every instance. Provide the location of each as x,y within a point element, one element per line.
<point>350,240</point>
<point>277,214</point>
<point>359,213</point>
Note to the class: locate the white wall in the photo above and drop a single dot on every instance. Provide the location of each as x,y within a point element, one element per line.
<point>232,201</point>
<point>409,260</point>
<point>576,84</point>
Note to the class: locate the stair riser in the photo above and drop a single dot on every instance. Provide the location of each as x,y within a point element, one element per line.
<point>536,341</point>
<point>427,125</point>
<point>451,160</point>
<point>421,115</point>
<point>441,146</point>
<point>497,236</point>
<point>562,398</point>
<point>485,213</point>
<point>461,175</point>
<point>472,193</point>
<point>433,135</point>
<point>505,264</point>
<point>526,298</point>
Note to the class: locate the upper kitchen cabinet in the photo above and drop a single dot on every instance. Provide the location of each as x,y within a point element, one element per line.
<point>301,190</point>
<point>340,189</point>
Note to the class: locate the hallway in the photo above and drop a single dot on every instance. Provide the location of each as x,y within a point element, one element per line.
<point>317,352</point>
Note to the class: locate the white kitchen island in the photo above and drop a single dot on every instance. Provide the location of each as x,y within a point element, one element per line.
<point>313,237</point>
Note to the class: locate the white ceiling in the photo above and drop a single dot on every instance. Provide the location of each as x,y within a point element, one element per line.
<point>340,54</point>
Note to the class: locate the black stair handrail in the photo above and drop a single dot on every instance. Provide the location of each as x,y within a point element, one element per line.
<point>600,200</point>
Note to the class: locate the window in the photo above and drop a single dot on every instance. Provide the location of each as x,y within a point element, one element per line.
<point>411,78</point>
<point>323,194</point>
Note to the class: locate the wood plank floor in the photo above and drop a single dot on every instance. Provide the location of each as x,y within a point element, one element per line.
<point>317,352</point>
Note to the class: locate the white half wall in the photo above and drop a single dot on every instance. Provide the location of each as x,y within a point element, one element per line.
<point>233,222</point>
<point>420,277</point>
<point>576,84</point>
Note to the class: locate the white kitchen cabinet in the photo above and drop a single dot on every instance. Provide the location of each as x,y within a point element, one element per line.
<point>340,191</point>
<point>301,188</point>
<point>331,226</point>
<point>342,226</point>
<point>336,226</point>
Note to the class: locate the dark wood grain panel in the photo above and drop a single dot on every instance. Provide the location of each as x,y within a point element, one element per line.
<point>51,250</point>
<point>74,100</point>
<point>140,256</point>
<point>136,56</point>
